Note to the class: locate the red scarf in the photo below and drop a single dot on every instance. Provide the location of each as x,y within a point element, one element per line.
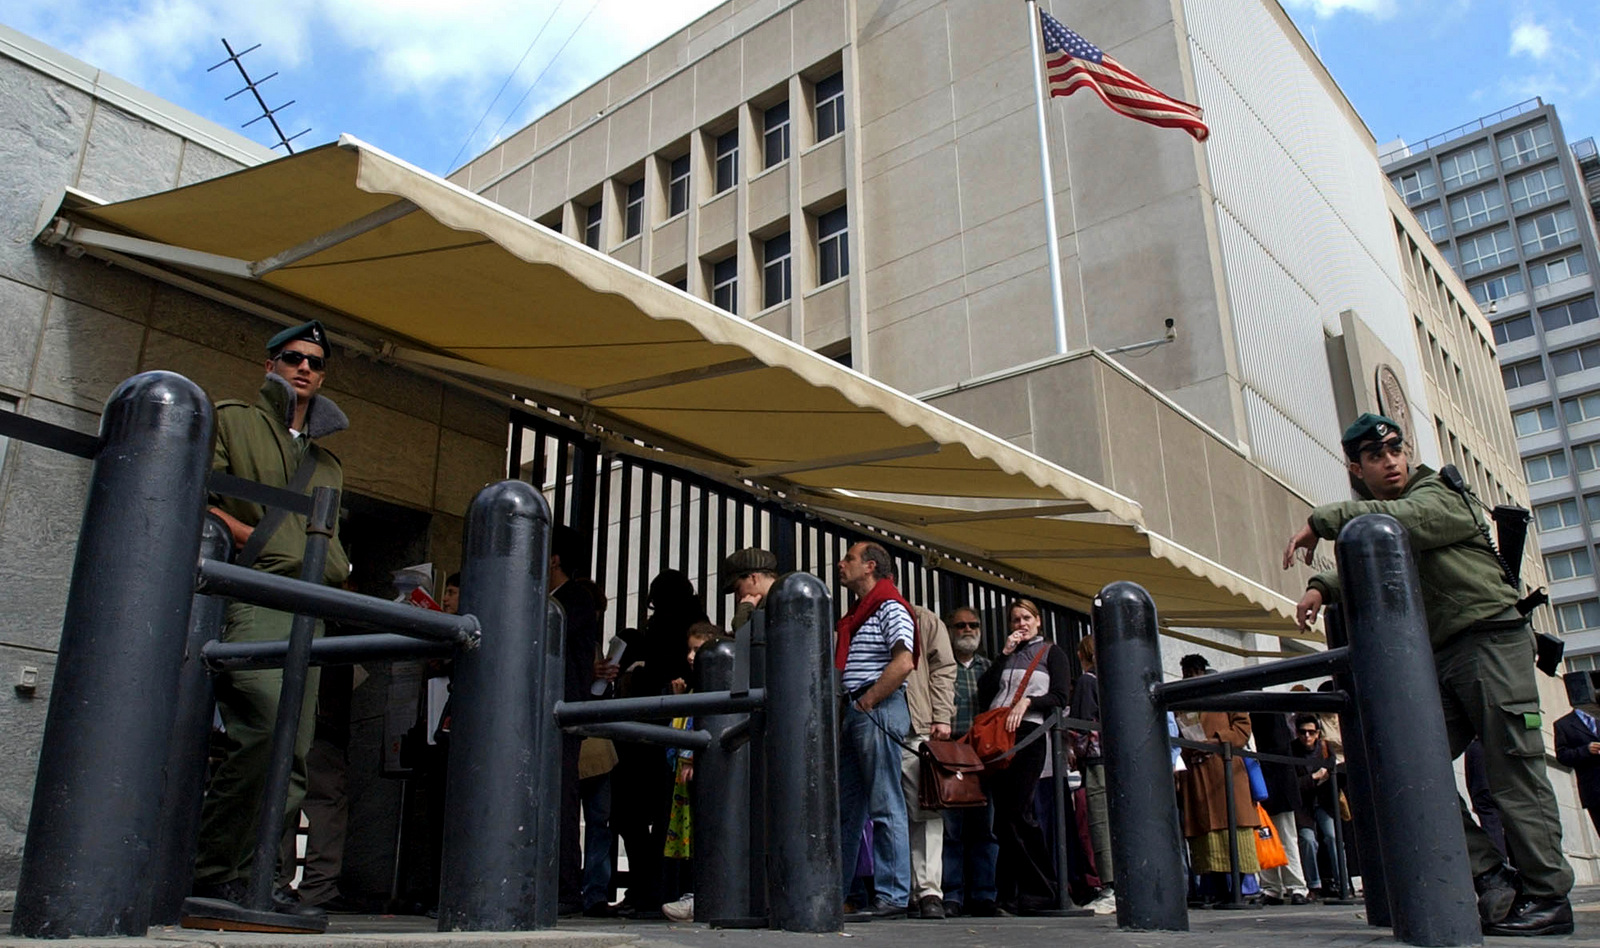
<point>881,593</point>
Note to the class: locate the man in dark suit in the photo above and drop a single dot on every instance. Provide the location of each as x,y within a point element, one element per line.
<point>1578,746</point>
<point>568,566</point>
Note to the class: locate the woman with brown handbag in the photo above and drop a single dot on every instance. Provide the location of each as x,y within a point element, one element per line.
<point>1032,679</point>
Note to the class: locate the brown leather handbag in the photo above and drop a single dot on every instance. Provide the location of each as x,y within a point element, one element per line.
<point>948,777</point>
<point>988,735</point>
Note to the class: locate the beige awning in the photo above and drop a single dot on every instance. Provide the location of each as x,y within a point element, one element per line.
<point>437,276</point>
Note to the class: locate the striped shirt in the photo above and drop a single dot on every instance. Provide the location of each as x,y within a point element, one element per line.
<point>873,644</point>
<point>967,693</point>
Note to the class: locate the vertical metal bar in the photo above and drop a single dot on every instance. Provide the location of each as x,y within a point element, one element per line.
<point>581,498</point>
<point>538,474</point>
<point>739,512</point>
<point>808,542</point>
<point>722,556</point>
<point>646,501</point>
<point>705,538</point>
<point>1058,780</point>
<point>501,835</point>
<point>172,865</point>
<point>514,456</point>
<point>722,840</point>
<point>559,513</point>
<point>664,553</point>
<point>783,541</point>
<point>1374,888</point>
<point>684,528</point>
<point>1234,896</point>
<point>1397,690</point>
<point>285,731</point>
<point>624,535</point>
<point>1145,843</point>
<point>801,762</point>
<point>600,524</point>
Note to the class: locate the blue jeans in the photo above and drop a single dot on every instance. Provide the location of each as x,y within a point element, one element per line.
<point>969,842</point>
<point>1309,848</point>
<point>596,793</point>
<point>869,788</point>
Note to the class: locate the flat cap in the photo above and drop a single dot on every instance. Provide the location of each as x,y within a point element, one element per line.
<point>313,332</point>
<point>750,560</point>
<point>1369,427</point>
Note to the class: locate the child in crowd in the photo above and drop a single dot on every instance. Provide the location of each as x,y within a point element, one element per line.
<point>680,832</point>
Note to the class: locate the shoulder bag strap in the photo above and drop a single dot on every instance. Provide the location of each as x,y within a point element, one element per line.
<point>274,516</point>
<point>1026,677</point>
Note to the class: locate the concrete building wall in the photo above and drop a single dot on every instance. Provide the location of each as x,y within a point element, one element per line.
<point>72,329</point>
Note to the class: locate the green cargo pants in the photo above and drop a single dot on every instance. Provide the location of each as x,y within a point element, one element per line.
<point>248,704</point>
<point>1487,685</point>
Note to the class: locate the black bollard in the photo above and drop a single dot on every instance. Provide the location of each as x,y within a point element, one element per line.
<point>1397,692</point>
<point>97,797</point>
<point>502,821</point>
<point>802,759</point>
<point>172,868</point>
<point>291,697</point>
<point>1374,890</point>
<point>1145,842</point>
<point>722,781</point>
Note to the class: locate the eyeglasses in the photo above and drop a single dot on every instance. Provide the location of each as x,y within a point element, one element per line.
<point>292,359</point>
<point>1308,730</point>
<point>965,625</point>
<point>1383,449</point>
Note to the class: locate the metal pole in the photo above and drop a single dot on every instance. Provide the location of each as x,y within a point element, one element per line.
<point>172,866</point>
<point>1234,898</point>
<point>755,663</point>
<point>802,759</point>
<point>1397,691</point>
<point>1058,777</point>
<point>722,840</point>
<point>1145,842</point>
<point>339,650</point>
<point>1058,309</point>
<point>97,797</point>
<point>1374,889</point>
<point>501,830</point>
<point>286,730</point>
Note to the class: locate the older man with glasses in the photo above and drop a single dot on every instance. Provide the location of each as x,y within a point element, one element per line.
<point>970,848</point>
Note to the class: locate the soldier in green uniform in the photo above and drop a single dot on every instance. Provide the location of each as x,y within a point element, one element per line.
<point>274,442</point>
<point>1483,649</point>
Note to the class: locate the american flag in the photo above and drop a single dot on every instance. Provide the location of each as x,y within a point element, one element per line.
<point>1074,63</point>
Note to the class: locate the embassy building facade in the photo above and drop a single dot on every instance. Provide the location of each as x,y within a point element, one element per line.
<point>1505,200</point>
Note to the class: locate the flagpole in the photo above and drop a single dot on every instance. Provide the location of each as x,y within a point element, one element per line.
<point>1058,309</point>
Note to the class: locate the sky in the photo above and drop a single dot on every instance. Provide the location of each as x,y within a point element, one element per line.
<point>437,83</point>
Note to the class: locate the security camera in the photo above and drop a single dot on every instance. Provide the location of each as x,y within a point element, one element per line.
<point>1169,323</point>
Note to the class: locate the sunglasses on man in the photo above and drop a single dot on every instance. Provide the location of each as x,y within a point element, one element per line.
<point>965,625</point>
<point>292,359</point>
<point>1391,447</point>
<point>1308,730</point>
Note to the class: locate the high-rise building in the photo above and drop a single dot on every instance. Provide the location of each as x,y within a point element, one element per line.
<point>1505,200</point>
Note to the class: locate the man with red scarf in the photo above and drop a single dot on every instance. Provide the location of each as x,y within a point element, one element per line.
<point>876,651</point>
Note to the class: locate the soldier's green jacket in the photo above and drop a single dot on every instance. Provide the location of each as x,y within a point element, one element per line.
<point>1461,578</point>
<point>253,442</point>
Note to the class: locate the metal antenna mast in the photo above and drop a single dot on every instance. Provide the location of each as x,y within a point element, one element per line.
<point>253,86</point>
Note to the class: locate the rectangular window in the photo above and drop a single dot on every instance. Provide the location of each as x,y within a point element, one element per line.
<point>1547,231</point>
<point>1578,616</point>
<point>1477,208</point>
<point>1497,288</point>
<point>678,186</point>
<point>1576,359</point>
<point>830,106</point>
<point>1534,420</point>
<point>1487,251</point>
<point>1527,146</point>
<point>591,224</point>
<point>1562,513</point>
<point>1465,167</point>
<point>1545,467</point>
<point>1510,330</point>
<point>1568,565</point>
<point>1586,457</point>
<point>1591,507</point>
<point>725,284</point>
<point>633,214</point>
<point>1522,373</point>
<point>1588,661</point>
<point>775,270</point>
<point>727,160</point>
<point>1418,184</point>
<point>1536,188</point>
<point>1566,314</point>
<point>1554,271</point>
<point>1432,220</point>
<point>775,134</point>
<point>833,247</point>
<point>1582,408</point>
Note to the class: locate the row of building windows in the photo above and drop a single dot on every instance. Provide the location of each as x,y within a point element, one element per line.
<point>1547,467</point>
<point>777,283</point>
<point>1496,248</point>
<point>1562,361</point>
<point>1488,205</point>
<point>1543,273</point>
<point>1579,616</point>
<point>1476,163</point>
<point>725,162</point>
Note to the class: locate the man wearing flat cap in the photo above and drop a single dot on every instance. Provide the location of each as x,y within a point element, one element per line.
<point>1483,651</point>
<point>748,575</point>
<point>273,442</point>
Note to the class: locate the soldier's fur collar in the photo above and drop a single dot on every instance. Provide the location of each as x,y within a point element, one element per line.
<point>323,417</point>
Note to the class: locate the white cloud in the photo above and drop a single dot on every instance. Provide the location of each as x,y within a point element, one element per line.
<point>1530,38</point>
<point>1324,9</point>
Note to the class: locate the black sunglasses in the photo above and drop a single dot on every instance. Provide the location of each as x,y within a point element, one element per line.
<point>292,359</point>
<point>1308,730</point>
<point>965,625</point>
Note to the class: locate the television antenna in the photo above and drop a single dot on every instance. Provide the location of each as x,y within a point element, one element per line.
<point>253,86</point>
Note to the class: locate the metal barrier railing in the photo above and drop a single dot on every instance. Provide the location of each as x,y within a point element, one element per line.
<point>1396,746</point>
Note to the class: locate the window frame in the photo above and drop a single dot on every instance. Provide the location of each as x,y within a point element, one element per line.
<point>775,133</point>
<point>1541,412</point>
<point>1560,507</point>
<point>1531,199</point>
<point>678,185</point>
<point>1590,619</point>
<point>1481,262</point>
<point>725,284</point>
<point>1552,460</point>
<point>1520,157</point>
<point>1518,369</point>
<point>633,210</point>
<point>1492,209</point>
<point>1575,410</point>
<point>1464,176</point>
<point>1566,309</point>
<point>1502,329</point>
<point>593,220</point>
<point>1562,236</point>
<point>1539,270</point>
<point>1427,184</point>
<point>776,267</point>
<point>829,111</point>
<point>833,245</point>
<point>725,162</point>
<point>1571,558</point>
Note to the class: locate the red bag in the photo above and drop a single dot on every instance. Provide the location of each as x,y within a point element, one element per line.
<point>988,735</point>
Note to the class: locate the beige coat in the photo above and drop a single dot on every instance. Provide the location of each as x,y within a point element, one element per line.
<point>931,687</point>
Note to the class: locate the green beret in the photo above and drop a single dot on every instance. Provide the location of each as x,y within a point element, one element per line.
<point>312,332</point>
<point>1369,427</point>
<point>751,560</point>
